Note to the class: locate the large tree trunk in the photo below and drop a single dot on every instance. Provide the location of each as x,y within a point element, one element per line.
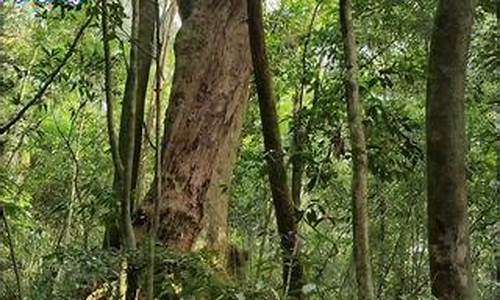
<point>284,207</point>
<point>359,157</point>
<point>203,121</point>
<point>446,192</point>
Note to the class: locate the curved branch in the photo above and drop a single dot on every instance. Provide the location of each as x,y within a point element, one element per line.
<point>38,97</point>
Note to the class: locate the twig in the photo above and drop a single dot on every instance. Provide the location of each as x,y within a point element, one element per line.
<point>305,52</point>
<point>67,142</point>
<point>148,136</point>
<point>21,139</point>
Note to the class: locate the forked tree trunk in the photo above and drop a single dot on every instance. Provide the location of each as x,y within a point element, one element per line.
<point>285,214</point>
<point>203,121</point>
<point>167,30</point>
<point>135,91</point>
<point>359,157</point>
<point>446,192</point>
<point>143,55</point>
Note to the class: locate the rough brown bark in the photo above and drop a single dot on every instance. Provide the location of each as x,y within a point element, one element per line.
<point>359,156</point>
<point>207,104</point>
<point>284,208</point>
<point>446,183</point>
<point>215,228</point>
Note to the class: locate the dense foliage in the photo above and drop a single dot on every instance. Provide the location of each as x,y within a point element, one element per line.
<point>56,172</point>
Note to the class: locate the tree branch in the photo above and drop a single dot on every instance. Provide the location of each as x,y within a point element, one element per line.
<point>38,97</point>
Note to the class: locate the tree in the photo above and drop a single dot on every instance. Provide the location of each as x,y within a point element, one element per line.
<point>57,171</point>
<point>448,230</point>
<point>142,53</point>
<point>497,188</point>
<point>123,152</point>
<point>283,205</point>
<point>150,288</point>
<point>360,218</point>
<point>136,85</point>
<point>202,126</point>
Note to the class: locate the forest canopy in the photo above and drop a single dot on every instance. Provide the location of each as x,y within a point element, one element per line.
<point>249,149</point>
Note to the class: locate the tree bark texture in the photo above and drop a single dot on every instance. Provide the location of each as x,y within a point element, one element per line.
<point>445,134</point>
<point>284,207</point>
<point>359,157</point>
<point>203,122</point>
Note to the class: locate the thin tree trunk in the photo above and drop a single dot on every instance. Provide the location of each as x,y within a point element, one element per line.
<point>205,115</point>
<point>123,166</point>
<point>154,228</point>
<point>297,147</point>
<point>497,199</point>
<point>74,191</point>
<point>108,89</point>
<point>142,51</point>
<point>112,235</point>
<point>445,133</point>
<point>136,85</point>
<point>128,144</point>
<point>359,157</point>
<point>284,208</point>
<point>128,151</point>
<point>167,30</point>
<point>12,253</point>
<point>123,163</point>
